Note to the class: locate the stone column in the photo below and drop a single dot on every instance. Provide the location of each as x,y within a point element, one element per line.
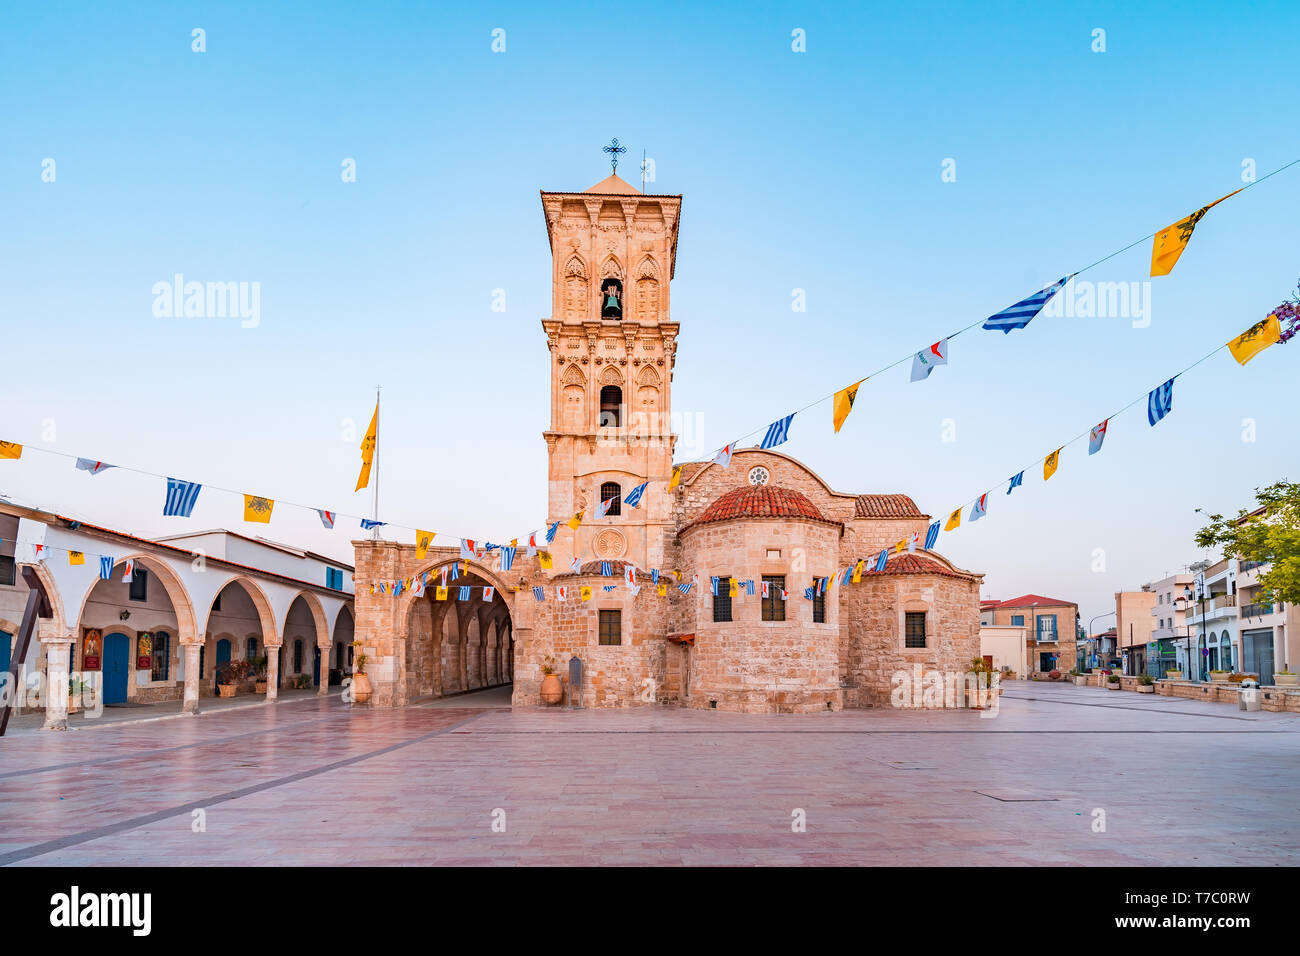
<point>57,650</point>
<point>324,687</point>
<point>272,672</point>
<point>191,652</point>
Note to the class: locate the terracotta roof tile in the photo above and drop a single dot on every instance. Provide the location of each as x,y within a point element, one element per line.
<point>767,501</point>
<point>907,563</point>
<point>1032,600</point>
<point>886,506</point>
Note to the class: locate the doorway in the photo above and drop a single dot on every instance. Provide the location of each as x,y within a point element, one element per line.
<point>117,656</point>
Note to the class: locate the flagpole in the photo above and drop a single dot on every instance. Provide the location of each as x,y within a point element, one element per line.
<point>374,512</point>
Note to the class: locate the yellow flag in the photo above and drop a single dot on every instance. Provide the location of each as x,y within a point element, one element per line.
<point>440,594</point>
<point>1255,339</point>
<point>857,571</point>
<point>368,451</point>
<point>677,477</point>
<point>422,541</point>
<point>10,449</point>
<point>584,592</point>
<point>1172,240</point>
<point>544,560</point>
<point>954,520</point>
<point>662,589</point>
<point>575,521</point>
<point>844,402</point>
<point>734,587</point>
<point>258,509</point>
<point>1051,463</point>
<point>677,574</point>
<point>76,557</point>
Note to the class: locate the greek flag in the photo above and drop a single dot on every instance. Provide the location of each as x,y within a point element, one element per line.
<point>507,556</point>
<point>106,567</point>
<point>777,432</point>
<point>714,585</point>
<point>539,593</point>
<point>931,536</point>
<point>685,587</point>
<point>608,587</point>
<point>882,559</point>
<point>1160,402</point>
<point>607,568</point>
<point>1019,315</point>
<point>550,532</point>
<point>1016,481</point>
<point>367,524</point>
<point>654,575</point>
<point>181,496</point>
<point>454,571</point>
<point>808,593</point>
<point>464,592</point>
<point>633,497</point>
<point>749,587</point>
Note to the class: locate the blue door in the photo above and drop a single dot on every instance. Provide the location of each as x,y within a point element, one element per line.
<point>223,655</point>
<point>315,669</point>
<point>5,639</point>
<point>117,653</point>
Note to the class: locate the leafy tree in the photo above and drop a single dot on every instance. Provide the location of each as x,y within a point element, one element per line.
<point>1269,532</point>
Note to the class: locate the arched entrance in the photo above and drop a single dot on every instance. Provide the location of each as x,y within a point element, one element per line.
<point>116,663</point>
<point>451,645</point>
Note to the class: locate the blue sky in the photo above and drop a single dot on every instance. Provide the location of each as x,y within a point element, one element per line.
<point>817,171</point>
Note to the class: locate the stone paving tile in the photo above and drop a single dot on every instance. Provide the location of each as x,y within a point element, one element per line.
<point>318,784</point>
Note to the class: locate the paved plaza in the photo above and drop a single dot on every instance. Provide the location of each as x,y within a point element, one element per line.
<point>315,782</point>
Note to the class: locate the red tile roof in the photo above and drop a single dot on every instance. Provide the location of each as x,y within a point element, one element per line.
<point>766,501</point>
<point>988,604</point>
<point>1036,600</point>
<point>886,506</point>
<point>907,563</point>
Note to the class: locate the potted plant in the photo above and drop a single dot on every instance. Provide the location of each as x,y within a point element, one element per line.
<point>1219,677</point>
<point>1054,674</point>
<point>229,676</point>
<point>1146,685</point>
<point>552,689</point>
<point>361,686</point>
<point>1173,675</point>
<point>259,674</point>
<point>1284,678</point>
<point>1112,682</point>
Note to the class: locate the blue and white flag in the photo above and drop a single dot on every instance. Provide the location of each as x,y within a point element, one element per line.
<point>931,536</point>
<point>106,567</point>
<point>539,593</point>
<point>980,508</point>
<point>633,497</point>
<point>777,432</point>
<point>607,568</point>
<point>882,559</point>
<point>181,496</point>
<point>326,517</point>
<point>550,532</point>
<point>1017,480</point>
<point>464,592</point>
<point>923,363</point>
<point>367,524</point>
<point>608,587</point>
<point>1160,402</point>
<point>507,556</point>
<point>94,467</point>
<point>714,585</point>
<point>749,587</point>
<point>685,587</point>
<point>454,572</point>
<point>654,575</point>
<point>808,593</point>
<point>1097,436</point>
<point>1019,315</point>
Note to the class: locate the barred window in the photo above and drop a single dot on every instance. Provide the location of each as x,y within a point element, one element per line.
<point>611,627</point>
<point>610,491</point>
<point>914,629</point>
<point>162,655</point>
<point>139,590</point>
<point>819,605</point>
<point>722,600</point>
<point>773,606</point>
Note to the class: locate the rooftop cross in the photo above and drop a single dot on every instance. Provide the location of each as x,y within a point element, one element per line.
<point>614,149</point>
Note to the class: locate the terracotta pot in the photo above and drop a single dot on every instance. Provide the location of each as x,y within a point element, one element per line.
<point>1173,675</point>
<point>1286,680</point>
<point>259,687</point>
<point>1218,677</point>
<point>361,688</point>
<point>226,690</point>
<point>1146,688</point>
<point>552,689</point>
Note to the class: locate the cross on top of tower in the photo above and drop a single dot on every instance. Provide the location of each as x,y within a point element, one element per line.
<point>614,150</point>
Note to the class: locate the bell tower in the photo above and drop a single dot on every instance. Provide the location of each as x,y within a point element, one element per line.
<point>612,349</point>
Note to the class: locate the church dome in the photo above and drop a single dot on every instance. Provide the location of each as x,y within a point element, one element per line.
<point>762,501</point>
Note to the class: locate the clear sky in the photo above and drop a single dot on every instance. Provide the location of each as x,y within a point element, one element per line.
<point>818,171</point>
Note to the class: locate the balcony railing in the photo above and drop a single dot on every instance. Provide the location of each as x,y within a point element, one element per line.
<point>1251,565</point>
<point>1256,610</point>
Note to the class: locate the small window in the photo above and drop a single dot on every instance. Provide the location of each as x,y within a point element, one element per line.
<point>819,605</point>
<point>914,633</point>
<point>610,491</point>
<point>1017,620</point>
<point>611,299</point>
<point>722,600</point>
<point>774,554</point>
<point>162,656</point>
<point>773,606</point>
<point>139,585</point>
<point>611,627</point>
<point>334,579</point>
<point>611,406</point>
<point>250,649</point>
<point>6,569</point>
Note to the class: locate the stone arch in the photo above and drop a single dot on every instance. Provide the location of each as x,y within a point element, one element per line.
<point>317,615</point>
<point>573,398</point>
<point>265,616</point>
<point>647,408</point>
<point>575,267</point>
<point>59,617</point>
<point>610,375</point>
<point>576,287</point>
<point>611,268</point>
<point>182,606</point>
<point>473,648</point>
<point>647,287</point>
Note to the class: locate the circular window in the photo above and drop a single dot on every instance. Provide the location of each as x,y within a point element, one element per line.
<point>758,475</point>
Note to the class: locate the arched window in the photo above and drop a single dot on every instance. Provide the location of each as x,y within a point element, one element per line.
<point>611,299</point>
<point>611,404</point>
<point>610,491</point>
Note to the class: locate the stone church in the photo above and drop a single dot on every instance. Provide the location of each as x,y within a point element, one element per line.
<point>766,527</point>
